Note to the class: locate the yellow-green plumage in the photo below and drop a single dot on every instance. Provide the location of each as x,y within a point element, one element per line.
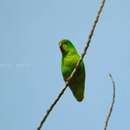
<point>70,57</point>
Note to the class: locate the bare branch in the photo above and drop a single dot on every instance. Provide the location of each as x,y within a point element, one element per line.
<point>89,38</point>
<point>51,107</point>
<point>112,104</point>
<point>77,65</point>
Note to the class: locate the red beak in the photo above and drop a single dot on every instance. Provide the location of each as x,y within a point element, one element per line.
<point>61,48</point>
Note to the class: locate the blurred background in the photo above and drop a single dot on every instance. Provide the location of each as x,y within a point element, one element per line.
<point>30,59</point>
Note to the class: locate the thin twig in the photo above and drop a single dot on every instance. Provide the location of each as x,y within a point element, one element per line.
<point>89,37</point>
<point>51,107</point>
<point>77,65</point>
<point>112,104</point>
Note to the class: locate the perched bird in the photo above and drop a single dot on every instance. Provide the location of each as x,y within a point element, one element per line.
<point>70,57</point>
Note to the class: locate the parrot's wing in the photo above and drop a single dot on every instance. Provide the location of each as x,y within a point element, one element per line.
<point>77,83</point>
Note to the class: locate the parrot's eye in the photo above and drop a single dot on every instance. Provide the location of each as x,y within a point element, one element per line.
<point>64,46</point>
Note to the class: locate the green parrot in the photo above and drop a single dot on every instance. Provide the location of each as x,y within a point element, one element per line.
<point>70,57</point>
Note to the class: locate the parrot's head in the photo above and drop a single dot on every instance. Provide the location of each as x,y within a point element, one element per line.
<point>66,46</point>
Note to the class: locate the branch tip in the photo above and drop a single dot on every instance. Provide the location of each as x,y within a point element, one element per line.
<point>112,104</point>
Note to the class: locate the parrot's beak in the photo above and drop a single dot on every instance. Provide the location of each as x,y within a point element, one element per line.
<point>61,48</point>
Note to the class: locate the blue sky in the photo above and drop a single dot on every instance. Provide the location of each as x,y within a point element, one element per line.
<point>30,75</point>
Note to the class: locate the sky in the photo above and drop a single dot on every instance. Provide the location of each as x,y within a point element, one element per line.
<point>30,59</point>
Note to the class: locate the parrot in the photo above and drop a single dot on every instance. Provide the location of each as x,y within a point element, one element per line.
<point>70,57</point>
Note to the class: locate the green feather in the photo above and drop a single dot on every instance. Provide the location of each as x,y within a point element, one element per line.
<point>70,57</point>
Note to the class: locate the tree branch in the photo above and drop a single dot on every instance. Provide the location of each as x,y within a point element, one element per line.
<point>51,107</point>
<point>77,65</point>
<point>112,104</point>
